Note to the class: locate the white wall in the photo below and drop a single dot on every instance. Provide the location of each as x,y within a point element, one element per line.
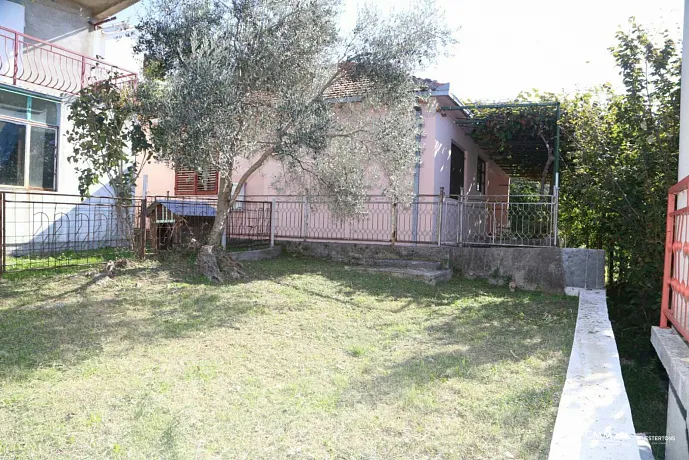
<point>12,15</point>
<point>50,222</point>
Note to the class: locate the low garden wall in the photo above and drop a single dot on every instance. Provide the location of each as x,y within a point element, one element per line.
<point>537,269</point>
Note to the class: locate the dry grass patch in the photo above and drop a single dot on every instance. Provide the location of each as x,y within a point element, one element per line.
<point>303,359</point>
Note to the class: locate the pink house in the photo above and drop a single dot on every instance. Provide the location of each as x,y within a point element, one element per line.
<point>450,159</point>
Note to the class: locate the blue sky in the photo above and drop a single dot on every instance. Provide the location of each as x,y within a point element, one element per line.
<point>506,46</point>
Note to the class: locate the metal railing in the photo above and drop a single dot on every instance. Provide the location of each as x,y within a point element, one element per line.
<point>429,219</point>
<point>24,58</point>
<point>675,294</point>
<point>45,230</point>
<point>186,221</point>
<point>50,230</point>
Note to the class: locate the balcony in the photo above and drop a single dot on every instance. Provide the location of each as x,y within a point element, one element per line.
<point>34,62</point>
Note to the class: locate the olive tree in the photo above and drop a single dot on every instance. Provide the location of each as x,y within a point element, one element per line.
<point>255,80</point>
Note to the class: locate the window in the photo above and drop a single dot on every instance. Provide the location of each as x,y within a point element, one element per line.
<point>28,141</point>
<point>481,176</point>
<point>189,182</point>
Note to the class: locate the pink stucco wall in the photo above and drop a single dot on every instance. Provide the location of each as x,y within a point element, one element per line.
<point>437,153</point>
<point>439,134</point>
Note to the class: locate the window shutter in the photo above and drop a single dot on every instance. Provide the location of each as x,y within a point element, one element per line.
<point>189,182</point>
<point>185,181</point>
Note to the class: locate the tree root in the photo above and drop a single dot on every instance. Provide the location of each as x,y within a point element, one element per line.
<point>217,265</point>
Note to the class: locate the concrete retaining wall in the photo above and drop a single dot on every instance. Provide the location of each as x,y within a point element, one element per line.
<point>674,354</point>
<point>535,269</point>
<point>360,253</point>
<point>594,420</point>
<point>258,254</point>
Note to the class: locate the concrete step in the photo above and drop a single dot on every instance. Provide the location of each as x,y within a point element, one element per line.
<point>398,263</point>
<point>428,276</point>
<point>394,263</point>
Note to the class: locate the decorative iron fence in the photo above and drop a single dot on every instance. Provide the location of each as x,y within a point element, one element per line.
<point>31,60</point>
<point>675,295</point>
<point>44,230</point>
<point>429,219</point>
<point>49,230</point>
<point>186,221</point>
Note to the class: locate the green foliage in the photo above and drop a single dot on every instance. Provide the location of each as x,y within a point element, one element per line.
<point>523,136</point>
<point>106,137</point>
<point>621,152</point>
<point>252,81</point>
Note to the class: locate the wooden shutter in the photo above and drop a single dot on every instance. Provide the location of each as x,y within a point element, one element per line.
<point>189,182</point>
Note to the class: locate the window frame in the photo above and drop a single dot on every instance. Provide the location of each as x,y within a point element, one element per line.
<point>28,123</point>
<point>481,168</point>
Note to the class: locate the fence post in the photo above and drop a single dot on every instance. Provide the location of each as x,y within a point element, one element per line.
<point>16,59</point>
<point>142,227</point>
<point>556,199</point>
<point>305,218</point>
<point>3,240</point>
<point>495,227</point>
<point>460,234</point>
<point>441,200</point>
<point>273,209</point>
<point>667,268</point>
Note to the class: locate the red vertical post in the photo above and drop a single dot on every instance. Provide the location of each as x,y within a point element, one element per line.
<point>83,72</point>
<point>667,270</point>
<point>16,59</point>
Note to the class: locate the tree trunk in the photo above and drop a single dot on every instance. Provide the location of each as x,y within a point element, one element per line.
<point>222,211</point>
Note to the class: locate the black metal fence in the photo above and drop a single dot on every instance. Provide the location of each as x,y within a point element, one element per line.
<point>48,230</point>
<point>43,230</point>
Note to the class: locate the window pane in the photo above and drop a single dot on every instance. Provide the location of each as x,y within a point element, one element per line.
<point>42,159</point>
<point>43,111</point>
<point>12,140</point>
<point>12,105</point>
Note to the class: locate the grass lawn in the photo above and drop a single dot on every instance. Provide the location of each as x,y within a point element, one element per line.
<point>65,259</point>
<point>303,359</point>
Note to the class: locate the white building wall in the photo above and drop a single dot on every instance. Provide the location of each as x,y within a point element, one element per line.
<point>51,222</point>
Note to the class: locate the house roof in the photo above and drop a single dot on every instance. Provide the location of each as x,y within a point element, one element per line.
<point>350,87</point>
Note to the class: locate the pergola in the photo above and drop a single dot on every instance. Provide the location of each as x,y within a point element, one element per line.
<point>525,154</point>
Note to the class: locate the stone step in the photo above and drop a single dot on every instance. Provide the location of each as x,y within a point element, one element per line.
<point>428,276</point>
<point>395,263</point>
<point>398,263</point>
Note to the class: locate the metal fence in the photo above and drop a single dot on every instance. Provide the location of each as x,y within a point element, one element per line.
<point>429,219</point>
<point>49,230</point>
<point>675,293</point>
<point>45,230</point>
<point>24,58</point>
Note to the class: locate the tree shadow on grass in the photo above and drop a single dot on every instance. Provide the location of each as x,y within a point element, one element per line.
<point>144,304</point>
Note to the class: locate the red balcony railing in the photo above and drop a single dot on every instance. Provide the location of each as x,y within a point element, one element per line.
<point>675,297</point>
<point>24,58</point>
